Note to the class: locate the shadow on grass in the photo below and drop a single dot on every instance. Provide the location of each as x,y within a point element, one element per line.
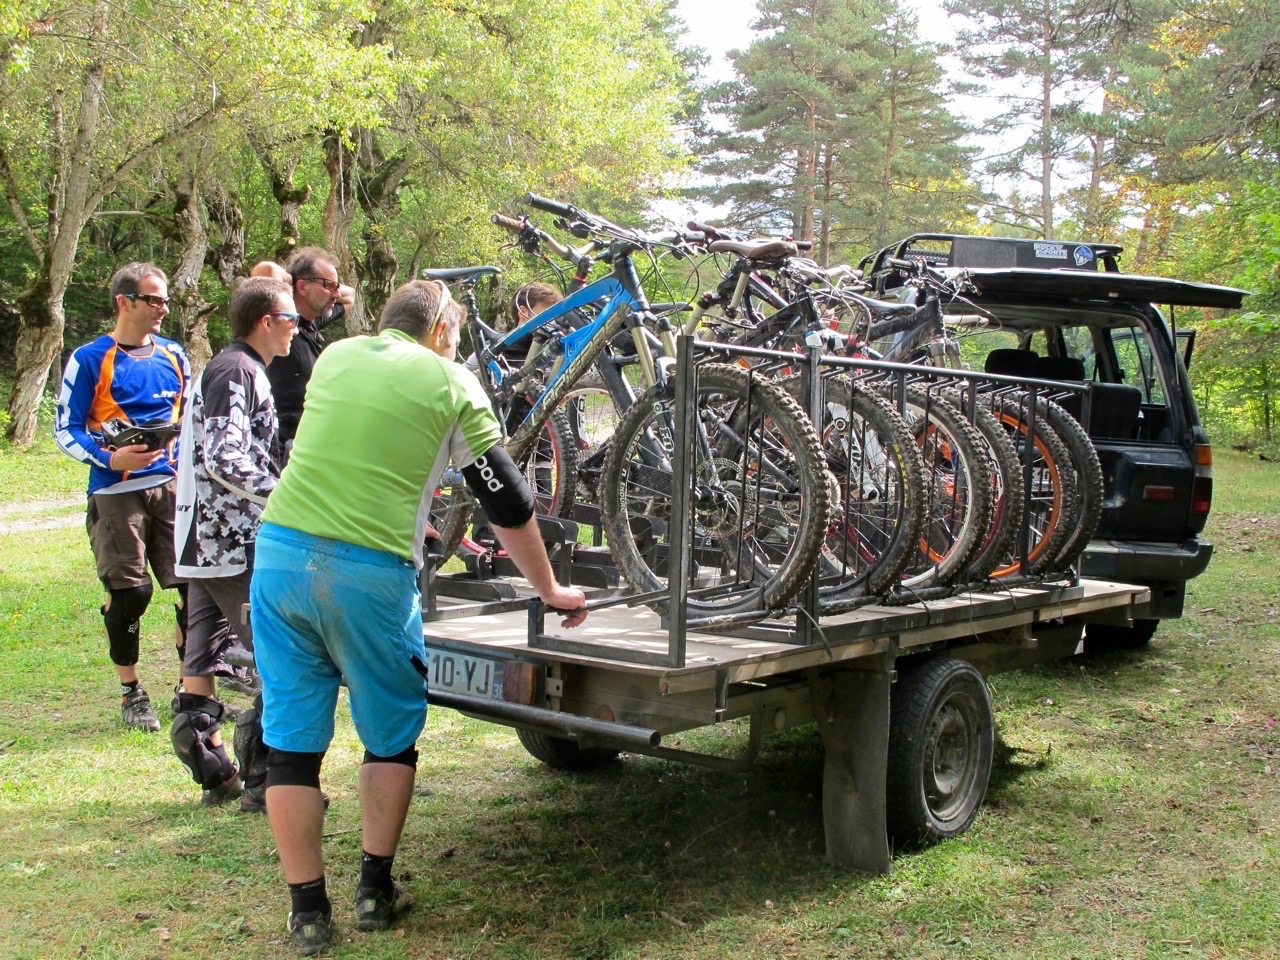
<point>506,857</point>
<point>585,865</point>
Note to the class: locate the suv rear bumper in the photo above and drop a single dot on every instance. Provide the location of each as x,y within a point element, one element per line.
<point>1135,561</point>
<point>1163,566</point>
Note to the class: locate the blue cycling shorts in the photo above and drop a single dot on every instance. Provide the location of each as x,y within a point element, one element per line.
<point>323,610</point>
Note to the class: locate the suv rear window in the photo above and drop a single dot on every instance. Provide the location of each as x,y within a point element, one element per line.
<point>1137,365</point>
<point>1114,350</point>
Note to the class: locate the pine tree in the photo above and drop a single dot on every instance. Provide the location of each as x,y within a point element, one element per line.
<point>837,125</point>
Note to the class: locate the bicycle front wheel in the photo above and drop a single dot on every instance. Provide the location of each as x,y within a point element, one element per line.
<point>549,466</point>
<point>958,495</point>
<point>879,512</point>
<point>759,498</point>
<point>1052,498</point>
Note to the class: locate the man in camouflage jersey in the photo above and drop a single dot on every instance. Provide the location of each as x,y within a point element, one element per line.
<point>228,464</point>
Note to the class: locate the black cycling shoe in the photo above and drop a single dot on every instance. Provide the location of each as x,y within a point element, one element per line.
<point>310,932</point>
<point>375,909</point>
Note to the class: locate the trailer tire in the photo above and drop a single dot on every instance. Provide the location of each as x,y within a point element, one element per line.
<point>941,744</point>
<point>559,753</point>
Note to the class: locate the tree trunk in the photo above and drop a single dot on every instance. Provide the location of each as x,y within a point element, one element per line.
<point>192,310</point>
<point>807,168</point>
<point>823,252</point>
<point>886,170</point>
<point>288,194</point>
<point>227,258</point>
<point>1046,134</point>
<point>39,345</point>
<point>1093,220</point>
<point>40,305</point>
<point>339,214</point>
<point>381,178</point>
<point>1140,251</point>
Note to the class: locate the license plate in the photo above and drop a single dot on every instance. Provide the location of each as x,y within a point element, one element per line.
<point>473,676</point>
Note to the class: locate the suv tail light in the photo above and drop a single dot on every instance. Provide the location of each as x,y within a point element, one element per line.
<point>1202,485</point>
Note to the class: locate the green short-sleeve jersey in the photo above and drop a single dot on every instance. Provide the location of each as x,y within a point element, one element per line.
<point>384,416</point>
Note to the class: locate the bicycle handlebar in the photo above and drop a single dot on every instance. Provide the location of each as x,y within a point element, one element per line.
<point>547,205</point>
<point>509,223</point>
<point>526,231</point>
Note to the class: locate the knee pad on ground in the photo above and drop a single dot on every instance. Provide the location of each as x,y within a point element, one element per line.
<point>121,618</point>
<point>288,769</point>
<point>251,752</point>
<point>406,758</point>
<point>193,729</point>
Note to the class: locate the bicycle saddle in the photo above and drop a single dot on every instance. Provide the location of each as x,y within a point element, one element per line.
<point>449,274</point>
<point>768,250</point>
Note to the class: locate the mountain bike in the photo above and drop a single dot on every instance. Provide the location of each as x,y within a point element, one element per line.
<point>754,452</point>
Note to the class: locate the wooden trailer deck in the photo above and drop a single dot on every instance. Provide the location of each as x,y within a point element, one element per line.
<point>612,636</point>
<point>612,684</point>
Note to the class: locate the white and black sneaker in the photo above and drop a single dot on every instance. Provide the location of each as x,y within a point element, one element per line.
<point>136,711</point>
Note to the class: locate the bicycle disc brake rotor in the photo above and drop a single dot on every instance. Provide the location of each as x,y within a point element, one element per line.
<point>721,499</point>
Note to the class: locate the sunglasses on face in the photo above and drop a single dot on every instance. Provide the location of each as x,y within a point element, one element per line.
<point>330,286</point>
<point>290,318</point>
<point>150,299</point>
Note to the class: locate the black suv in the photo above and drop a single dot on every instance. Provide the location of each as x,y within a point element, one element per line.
<point>1064,312</point>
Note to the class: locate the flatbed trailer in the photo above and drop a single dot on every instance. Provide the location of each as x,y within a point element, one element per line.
<point>898,692</point>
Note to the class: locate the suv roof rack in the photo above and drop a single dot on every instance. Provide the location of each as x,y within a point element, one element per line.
<point>957,250</point>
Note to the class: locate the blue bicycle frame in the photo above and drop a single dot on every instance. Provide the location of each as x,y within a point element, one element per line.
<point>619,289</point>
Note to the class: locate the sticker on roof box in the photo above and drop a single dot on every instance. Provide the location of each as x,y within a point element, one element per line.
<point>1051,251</point>
<point>1082,255</point>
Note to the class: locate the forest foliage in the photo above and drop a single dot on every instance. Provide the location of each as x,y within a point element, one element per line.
<point>207,136</point>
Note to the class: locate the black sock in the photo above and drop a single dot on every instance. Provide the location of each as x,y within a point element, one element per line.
<point>375,872</point>
<point>128,688</point>
<point>309,897</point>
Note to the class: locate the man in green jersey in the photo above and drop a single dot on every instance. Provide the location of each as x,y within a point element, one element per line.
<point>335,594</point>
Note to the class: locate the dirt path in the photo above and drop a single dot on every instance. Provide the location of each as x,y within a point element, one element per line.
<point>33,515</point>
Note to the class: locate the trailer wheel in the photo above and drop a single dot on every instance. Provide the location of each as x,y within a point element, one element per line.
<point>941,743</point>
<point>561,754</point>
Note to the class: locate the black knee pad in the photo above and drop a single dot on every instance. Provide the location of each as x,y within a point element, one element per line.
<point>197,720</point>
<point>121,617</point>
<point>251,752</point>
<point>288,769</point>
<point>406,758</point>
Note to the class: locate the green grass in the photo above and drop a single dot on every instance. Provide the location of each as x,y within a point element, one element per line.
<point>1133,811</point>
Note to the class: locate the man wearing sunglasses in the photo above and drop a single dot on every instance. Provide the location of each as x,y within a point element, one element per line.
<point>321,300</point>
<point>136,375</point>
<point>335,584</point>
<point>228,463</point>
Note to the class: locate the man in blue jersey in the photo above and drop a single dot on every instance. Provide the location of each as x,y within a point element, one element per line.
<point>335,583</point>
<point>131,374</point>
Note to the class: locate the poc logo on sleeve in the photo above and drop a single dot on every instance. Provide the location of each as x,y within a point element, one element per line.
<point>488,476</point>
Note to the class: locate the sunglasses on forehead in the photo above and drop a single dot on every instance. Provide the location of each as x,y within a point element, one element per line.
<point>446,298</point>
